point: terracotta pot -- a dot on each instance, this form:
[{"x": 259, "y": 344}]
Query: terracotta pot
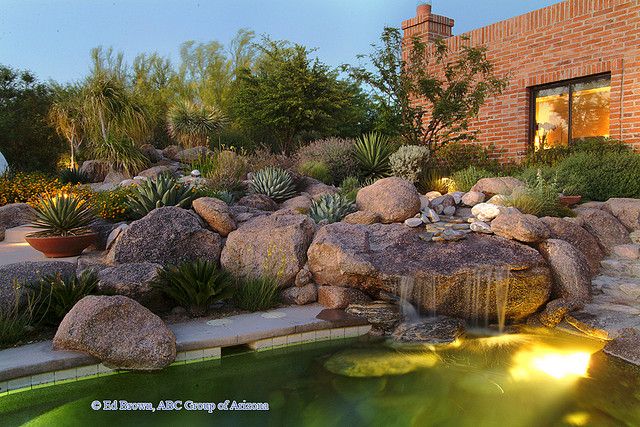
[
  {"x": 570, "y": 200},
  {"x": 62, "y": 247}
]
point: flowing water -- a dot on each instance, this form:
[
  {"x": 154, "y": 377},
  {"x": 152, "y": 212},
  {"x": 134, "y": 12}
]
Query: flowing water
[{"x": 534, "y": 378}]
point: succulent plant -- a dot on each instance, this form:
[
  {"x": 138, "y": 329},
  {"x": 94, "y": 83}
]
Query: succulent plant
[
  {"x": 164, "y": 190},
  {"x": 274, "y": 182},
  {"x": 72, "y": 176},
  {"x": 63, "y": 215},
  {"x": 331, "y": 207},
  {"x": 372, "y": 152}
]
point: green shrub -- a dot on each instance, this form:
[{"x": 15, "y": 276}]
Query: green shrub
[
  {"x": 337, "y": 154},
  {"x": 257, "y": 294},
  {"x": 164, "y": 190},
  {"x": 225, "y": 169},
  {"x": 330, "y": 207},
  {"x": 464, "y": 179},
  {"x": 17, "y": 320},
  {"x": 596, "y": 145},
  {"x": 434, "y": 180},
  {"x": 56, "y": 296},
  {"x": 194, "y": 285},
  {"x": 540, "y": 199},
  {"x": 372, "y": 151},
  {"x": 317, "y": 170},
  {"x": 349, "y": 188},
  {"x": 72, "y": 176},
  {"x": 63, "y": 215},
  {"x": 457, "y": 156},
  {"x": 121, "y": 154},
  {"x": 275, "y": 183},
  {"x": 409, "y": 162}
]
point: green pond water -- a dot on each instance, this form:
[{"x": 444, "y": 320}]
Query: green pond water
[{"x": 533, "y": 378}]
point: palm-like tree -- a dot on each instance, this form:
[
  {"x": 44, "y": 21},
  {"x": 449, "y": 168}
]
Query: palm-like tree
[
  {"x": 192, "y": 123},
  {"x": 65, "y": 115}
]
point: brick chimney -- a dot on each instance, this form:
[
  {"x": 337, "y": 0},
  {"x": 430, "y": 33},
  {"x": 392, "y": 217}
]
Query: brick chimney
[{"x": 428, "y": 26}]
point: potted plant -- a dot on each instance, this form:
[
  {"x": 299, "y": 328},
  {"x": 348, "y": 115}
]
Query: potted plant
[
  {"x": 570, "y": 196},
  {"x": 64, "y": 222}
]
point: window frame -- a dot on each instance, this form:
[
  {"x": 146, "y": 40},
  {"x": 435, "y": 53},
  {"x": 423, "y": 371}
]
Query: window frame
[{"x": 567, "y": 82}]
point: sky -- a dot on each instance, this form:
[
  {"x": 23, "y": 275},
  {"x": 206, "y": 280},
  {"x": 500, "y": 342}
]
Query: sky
[{"x": 52, "y": 38}]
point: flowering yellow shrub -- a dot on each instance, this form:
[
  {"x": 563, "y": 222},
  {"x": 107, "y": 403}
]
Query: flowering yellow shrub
[{"x": 23, "y": 188}]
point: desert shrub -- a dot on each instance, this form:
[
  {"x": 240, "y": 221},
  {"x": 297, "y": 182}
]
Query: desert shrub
[
  {"x": 457, "y": 156},
  {"x": 540, "y": 199},
  {"x": 435, "y": 180},
  {"x": 372, "y": 151},
  {"x": 335, "y": 153},
  {"x": 257, "y": 294},
  {"x": 72, "y": 176},
  {"x": 317, "y": 170},
  {"x": 275, "y": 183},
  {"x": 122, "y": 154},
  {"x": 349, "y": 188},
  {"x": 409, "y": 162},
  {"x": 194, "y": 285},
  {"x": 225, "y": 169},
  {"x": 596, "y": 145},
  {"x": 164, "y": 190},
  {"x": 330, "y": 207},
  {"x": 113, "y": 205},
  {"x": 56, "y": 295},
  {"x": 263, "y": 158},
  {"x": 18, "y": 318},
  {"x": 25, "y": 187},
  {"x": 464, "y": 179},
  {"x": 601, "y": 176}
]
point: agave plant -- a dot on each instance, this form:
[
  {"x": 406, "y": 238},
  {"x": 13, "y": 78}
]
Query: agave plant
[
  {"x": 164, "y": 190},
  {"x": 194, "y": 285},
  {"x": 372, "y": 151},
  {"x": 72, "y": 176},
  {"x": 63, "y": 215},
  {"x": 191, "y": 124},
  {"x": 331, "y": 207},
  {"x": 274, "y": 182}
]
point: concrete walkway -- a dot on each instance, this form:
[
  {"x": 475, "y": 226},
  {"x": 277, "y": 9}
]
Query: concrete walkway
[
  {"x": 14, "y": 248},
  {"x": 197, "y": 340}
]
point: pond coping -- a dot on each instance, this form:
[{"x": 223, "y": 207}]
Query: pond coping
[{"x": 36, "y": 365}]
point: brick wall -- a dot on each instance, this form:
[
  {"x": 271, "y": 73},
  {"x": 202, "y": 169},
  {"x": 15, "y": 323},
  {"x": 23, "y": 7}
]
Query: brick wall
[{"x": 574, "y": 38}]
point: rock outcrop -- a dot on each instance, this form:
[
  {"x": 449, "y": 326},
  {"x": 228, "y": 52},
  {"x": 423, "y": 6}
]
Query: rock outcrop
[
  {"x": 392, "y": 199},
  {"x": 134, "y": 281},
  {"x": 605, "y": 227},
  {"x": 16, "y": 214},
  {"x": 499, "y": 185},
  {"x": 216, "y": 213},
  {"x": 521, "y": 227},
  {"x": 626, "y": 210}
]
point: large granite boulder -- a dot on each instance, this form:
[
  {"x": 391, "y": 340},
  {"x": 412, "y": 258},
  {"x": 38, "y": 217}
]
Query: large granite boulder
[
  {"x": 467, "y": 279},
  {"x": 167, "y": 235},
  {"x": 340, "y": 297},
  {"x": 119, "y": 332},
  {"x": 216, "y": 213},
  {"x": 605, "y": 227},
  {"x": 134, "y": 281},
  {"x": 521, "y": 227},
  {"x": 580, "y": 238},
  {"x": 16, "y": 214},
  {"x": 498, "y": 185},
  {"x": 171, "y": 152},
  {"x": 95, "y": 170},
  {"x": 151, "y": 153},
  {"x": 20, "y": 273},
  {"x": 274, "y": 245},
  {"x": 626, "y": 210},
  {"x": 393, "y": 199},
  {"x": 155, "y": 171},
  {"x": 258, "y": 201}
]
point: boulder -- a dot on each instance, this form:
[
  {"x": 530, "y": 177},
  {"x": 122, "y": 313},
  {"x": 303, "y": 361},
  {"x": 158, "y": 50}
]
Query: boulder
[
  {"x": 134, "y": 281},
  {"x": 383, "y": 316},
  {"x": 216, "y": 213},
  {"x": 304, "y": 277},
  {"x": 171, "y": 152},
  {"x": 190, "y": 155},
  {"x": 242, "y": 214},
  {"x": 626, "y": 210},
  {"x": 167, "y": 235},
  {"x": 119, "y": 332},
  {"x": 393, "y": 199},
  {"x": 444, "y": 277},
  {"x": 274, "y": 245},
  {"x": 430, "y": 331},
  {"x": 16, "y": 214},
  {"x": 472, "y": 198},
  {"x": 115, "y": 177},
  {"x": 498, "y": 185},
  {"x": 580, "y": 238},
  {"x": 625, "y": 347},
  {"x": 302, "y": 295},
  {"x": 154, "y": 171},
  {"x": 299, "y": 204},
  {"x": 26, "y": 272},
  {"x": 95, "y": 170},
  {"x": 339, "y": 297},
  {"x": 362, "y": 217},
  {"x": 258, "y": 201},
  {"x": 628, "y": 251},
  {"x": 314, "y": 188},
  {"x": 104, "y": 230},
  {"x": 114, "y": 234},
  {"x": 485, "y": 211},
  {"x": 151, "y": 153},
  {"x": 481, "y": 227},
  {"x": 605, "y": 228},
  {"x": 571, "y": 274},
  {"x": 521, "y": 227}
]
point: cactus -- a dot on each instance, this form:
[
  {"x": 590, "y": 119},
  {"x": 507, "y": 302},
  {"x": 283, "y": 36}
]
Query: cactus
[
  {"x": 275, "y": 183},
  {"x": 331, "y": 207},
  {"x": 164, "y": 190}
]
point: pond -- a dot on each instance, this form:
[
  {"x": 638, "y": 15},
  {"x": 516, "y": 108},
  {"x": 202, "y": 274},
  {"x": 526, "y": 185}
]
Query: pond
[{"x": 532, "y": 378}]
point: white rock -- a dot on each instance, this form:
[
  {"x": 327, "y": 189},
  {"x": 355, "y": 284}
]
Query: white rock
[
  {"x": 433, "y": 194},
  {"x": 413, "y": 222},
  {"x": 481, "y": 227},
  {"x": 498, "y": 199},
  {"x": 424, "y": 203},
  {"x": 195, "y": 173},
  {"x": 485, "y": 211}
]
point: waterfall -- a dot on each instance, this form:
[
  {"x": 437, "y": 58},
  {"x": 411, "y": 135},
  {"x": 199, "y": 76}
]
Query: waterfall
[
  {"x": 485, "y": 287},
  {"x": 409, "y": 312}
]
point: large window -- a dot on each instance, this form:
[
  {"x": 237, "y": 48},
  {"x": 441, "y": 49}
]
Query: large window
[{"x": 570, "y": 110}]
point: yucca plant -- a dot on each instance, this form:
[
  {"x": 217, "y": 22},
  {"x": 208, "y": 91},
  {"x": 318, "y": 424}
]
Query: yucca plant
[
  {"x": 257, "y": 293},
  {"x": 63, "y": 215},
  {"x": 194, "y": 285},
  {"x": 372, "y": 151},
  {"x": 330, "y": 207},
  {"x": 191, "y": 124},
  {"x": 164, "y": 190},
  {"x": 72, "y": 176},
  {"x": 274, "y": 182},
  {"x": 56, "y": 295}
]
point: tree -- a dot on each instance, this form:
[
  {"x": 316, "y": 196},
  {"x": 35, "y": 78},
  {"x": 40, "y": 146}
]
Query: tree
[
  {"x": 65, "y": 116},
  {"x": 454, "y": 85},
  {"x": 26, "y": 139},
  {"x": 289, "y": 94}
]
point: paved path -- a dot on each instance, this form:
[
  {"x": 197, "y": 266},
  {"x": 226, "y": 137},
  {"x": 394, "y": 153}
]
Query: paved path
[{"x": 14, "y": 248}]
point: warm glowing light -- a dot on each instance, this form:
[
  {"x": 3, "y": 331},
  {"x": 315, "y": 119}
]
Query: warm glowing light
[
  {"x": 559, "y": 365},
  {"x": 577, "y": 419}
]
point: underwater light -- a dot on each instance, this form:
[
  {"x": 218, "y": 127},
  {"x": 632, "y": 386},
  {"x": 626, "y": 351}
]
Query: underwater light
[{"x": 558, "y": 365}]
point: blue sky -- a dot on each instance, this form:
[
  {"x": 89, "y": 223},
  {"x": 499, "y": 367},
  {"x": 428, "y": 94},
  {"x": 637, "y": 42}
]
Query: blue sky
[{"x": 53, "y": 37}]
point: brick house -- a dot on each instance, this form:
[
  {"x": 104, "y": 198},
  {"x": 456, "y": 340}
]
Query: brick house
[{"x": 574, "y": 72}]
